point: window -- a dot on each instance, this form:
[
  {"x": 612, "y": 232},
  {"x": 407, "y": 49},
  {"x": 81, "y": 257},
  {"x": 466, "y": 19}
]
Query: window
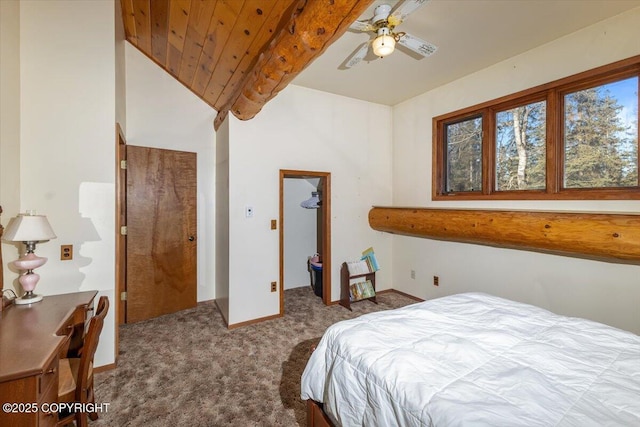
[
  {"x": 464, "y": 155},
  {"x": 601, "y": 136},
  {"x": 521, "y": 147},
  {"x": 576, "y": 138}
]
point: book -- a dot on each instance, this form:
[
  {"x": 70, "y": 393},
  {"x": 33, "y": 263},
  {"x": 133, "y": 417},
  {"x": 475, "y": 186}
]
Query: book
[
  {"x": 369, "y": 256},
  {"x": 358, "y": 267},
  {"x": 361, "y": 290}
]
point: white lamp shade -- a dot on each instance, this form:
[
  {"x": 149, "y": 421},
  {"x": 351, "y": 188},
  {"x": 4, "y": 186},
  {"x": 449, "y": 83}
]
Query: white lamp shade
[
  {"x": 28, "y": 228},
  {"x": 383, "y": 45}
]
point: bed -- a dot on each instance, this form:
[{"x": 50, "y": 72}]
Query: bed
[{"x": 474, "y": 359}]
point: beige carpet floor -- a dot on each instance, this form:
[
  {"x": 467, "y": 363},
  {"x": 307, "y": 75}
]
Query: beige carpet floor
[{"x": 188, "y": 369}]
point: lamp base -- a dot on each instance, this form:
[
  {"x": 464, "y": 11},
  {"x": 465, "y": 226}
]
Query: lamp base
[{"x": 28, "y": 299}]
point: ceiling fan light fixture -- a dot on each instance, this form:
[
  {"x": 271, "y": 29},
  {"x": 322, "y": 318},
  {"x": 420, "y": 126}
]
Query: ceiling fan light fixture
[
  {"x": 384, "y": 24},
  {"x": 384, "y": 44}
]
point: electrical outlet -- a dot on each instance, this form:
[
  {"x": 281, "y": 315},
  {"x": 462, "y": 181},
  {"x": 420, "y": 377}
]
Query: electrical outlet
[
  {"x": 274, "y": 224},
  {"x": 436, "y": 281},
  {"x": 274, "y": 286},
  {"x": 413, "y": 274},
  {"x": 66, "y": 252},
  {"x": 248, "y": 211}
]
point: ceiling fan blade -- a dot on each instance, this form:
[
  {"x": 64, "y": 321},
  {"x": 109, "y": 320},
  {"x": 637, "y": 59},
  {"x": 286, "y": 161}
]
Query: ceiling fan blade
[
  {"x": 359, "y": 55},
  {"x": 362, "y": 26},
  {"x": 403, "y": 10},
  {"x": 417, "y": 45}
]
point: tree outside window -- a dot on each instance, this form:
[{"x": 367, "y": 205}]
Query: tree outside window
[
  {"x": 464, "y": 155},
  {"x": 600, "y": 146},
  {"x": 521, "y": 147}
]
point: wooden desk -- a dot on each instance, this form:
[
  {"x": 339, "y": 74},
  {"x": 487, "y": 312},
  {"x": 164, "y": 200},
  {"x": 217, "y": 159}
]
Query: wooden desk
[{"x": 31, "y": 338}]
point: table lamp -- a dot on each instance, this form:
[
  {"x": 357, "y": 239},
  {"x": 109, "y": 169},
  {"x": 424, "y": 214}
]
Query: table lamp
[{"x": 29, "y": 229}]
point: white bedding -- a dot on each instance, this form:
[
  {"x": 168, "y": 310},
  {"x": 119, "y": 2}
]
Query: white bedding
[{"x": 475, "y": 360}]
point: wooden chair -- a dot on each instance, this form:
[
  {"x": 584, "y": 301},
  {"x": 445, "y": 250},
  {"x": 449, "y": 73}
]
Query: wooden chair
[{"x": 76, "y": 374}]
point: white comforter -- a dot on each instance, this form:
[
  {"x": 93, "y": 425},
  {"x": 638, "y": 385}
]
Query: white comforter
[{"x": 475, "y": 360}]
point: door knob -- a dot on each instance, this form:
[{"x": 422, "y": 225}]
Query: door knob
[{"x": 191, "y": 238}]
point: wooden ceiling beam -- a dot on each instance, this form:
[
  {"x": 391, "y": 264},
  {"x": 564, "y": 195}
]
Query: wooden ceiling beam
[
  {"x": 611, "y": 237},
  {"x": 312, "y": 27}
]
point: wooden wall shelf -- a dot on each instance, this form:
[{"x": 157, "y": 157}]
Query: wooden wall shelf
[{"x": 606, "y": 237}]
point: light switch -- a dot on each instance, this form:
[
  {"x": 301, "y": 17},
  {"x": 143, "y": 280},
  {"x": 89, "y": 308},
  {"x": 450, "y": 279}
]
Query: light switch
[{"x": 248, "y": 211}]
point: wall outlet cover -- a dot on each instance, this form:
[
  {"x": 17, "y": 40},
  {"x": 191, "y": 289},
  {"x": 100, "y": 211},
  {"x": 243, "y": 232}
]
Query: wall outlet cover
[{"x": 66, "y": 252}]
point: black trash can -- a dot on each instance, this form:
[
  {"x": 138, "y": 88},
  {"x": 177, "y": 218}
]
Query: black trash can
[{"x": 316, "y": 277}]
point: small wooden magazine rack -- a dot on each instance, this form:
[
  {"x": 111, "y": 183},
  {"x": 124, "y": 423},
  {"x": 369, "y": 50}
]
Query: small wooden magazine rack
[{"x": 345, "y": 285}]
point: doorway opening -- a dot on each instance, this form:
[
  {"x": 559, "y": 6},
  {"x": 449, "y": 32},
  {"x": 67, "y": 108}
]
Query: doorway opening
[{"x": 296, "y": 187}]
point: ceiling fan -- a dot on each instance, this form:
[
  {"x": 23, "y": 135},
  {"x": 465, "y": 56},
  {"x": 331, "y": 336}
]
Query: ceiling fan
[{"x": 382, "y": 24}]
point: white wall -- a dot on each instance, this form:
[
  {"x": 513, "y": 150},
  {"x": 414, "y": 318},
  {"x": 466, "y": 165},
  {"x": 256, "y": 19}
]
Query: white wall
[
  {"x": 605, "y": 292},
  {"x": 9, "y": 124},
  {"x": 161, "y": 113},
  {"x": 67, "y": 118},
  {"x": 304, "y": 129},
  {"x": 300, "y": 232}
]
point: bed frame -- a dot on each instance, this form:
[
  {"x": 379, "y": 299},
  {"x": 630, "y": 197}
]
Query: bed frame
[{"x": 316, "y": 416}]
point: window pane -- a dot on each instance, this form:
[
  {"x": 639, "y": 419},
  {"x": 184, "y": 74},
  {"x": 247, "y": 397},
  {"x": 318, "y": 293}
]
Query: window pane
[
  {"x": 464, "y": 155},
  {"x": 521, "y": 148},
  {"x": 601, "y": 136}
]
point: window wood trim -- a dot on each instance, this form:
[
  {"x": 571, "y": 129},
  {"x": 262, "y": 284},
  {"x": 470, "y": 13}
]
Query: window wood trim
[{"x": 553, "y": 94}]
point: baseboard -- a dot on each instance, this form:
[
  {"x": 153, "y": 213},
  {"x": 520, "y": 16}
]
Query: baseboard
[
  {"x": 275, "y": 316},
  {"x": 404, "y": 294},
  {"x": 388, "y": 291},
  {"x": 251, "y": 322},
  {"x": 104, "y": 368}
]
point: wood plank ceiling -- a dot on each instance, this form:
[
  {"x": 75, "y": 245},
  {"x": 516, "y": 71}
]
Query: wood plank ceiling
[{"x": 236, "y": 55}]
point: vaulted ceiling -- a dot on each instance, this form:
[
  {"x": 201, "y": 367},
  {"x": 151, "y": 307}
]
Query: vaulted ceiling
[{"x": 236, "y": 54}]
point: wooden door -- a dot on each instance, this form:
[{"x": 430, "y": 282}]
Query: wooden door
[{"x": 161, "y": 232}]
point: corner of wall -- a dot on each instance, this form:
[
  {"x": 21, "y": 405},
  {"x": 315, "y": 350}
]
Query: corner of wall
[
  {"x": 222, "y": 219},
  {"x": 121, "y": 66}
]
